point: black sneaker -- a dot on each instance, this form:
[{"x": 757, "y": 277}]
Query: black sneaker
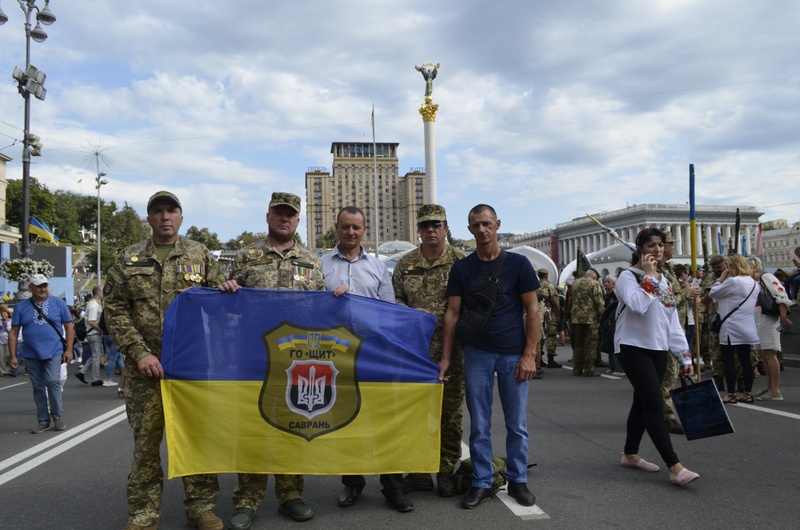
[
  {"x": 81, "y": 378},
  {"x": 99, "y": 382},
  {"x": 519, "y": 491}
]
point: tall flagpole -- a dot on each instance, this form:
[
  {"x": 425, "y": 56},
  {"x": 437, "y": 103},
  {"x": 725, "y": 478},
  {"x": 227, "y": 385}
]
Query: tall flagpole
[
  {"x": 376, "y": 219},
  {"x": 693, "y": 244}
]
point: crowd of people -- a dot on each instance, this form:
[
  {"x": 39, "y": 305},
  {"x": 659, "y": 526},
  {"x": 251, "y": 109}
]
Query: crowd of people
[{"x": 474, "y": 347}]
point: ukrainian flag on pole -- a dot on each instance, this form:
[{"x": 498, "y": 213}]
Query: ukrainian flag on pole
[
  {"x": 303, "y": 382},
  {"x": 41, "y": 229}
]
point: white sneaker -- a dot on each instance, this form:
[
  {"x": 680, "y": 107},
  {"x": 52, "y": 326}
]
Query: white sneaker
[
  {"x": 110, "y": 383},
  {"x": 769, "y": 396}
]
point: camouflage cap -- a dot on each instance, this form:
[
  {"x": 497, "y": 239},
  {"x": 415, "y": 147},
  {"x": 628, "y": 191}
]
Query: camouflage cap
[
  {"x": 431, "y": 212},
  {"x": 542, "y": 272},
  {"x": 284, "y": 198},
  {"x": 669, "y": 238},
  {"x": 163, "y": 195},
  {"x": 716, "y": 259}
]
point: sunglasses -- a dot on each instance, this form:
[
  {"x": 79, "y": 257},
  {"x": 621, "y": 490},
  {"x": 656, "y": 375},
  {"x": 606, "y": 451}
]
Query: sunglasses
[{"x": 424, "y": 225}]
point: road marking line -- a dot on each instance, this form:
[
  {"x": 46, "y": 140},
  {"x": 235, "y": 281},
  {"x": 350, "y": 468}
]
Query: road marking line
[
  {"x": 52, "y": 453},
  {"x": 523, "y": 512},
  {"x": 769, "y": 411},
  {"x": 65, "y": 435},
  {"x": 12, "y": 386}
]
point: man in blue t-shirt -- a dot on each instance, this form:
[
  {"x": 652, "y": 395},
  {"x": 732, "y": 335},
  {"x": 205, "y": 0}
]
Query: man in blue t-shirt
[
  {"x": 507, "y": 348},
  {"x": 43, "y": 320}
]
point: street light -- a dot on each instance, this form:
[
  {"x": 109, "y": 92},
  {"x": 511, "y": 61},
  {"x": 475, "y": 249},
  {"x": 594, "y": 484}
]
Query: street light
[
  {"x": 100, "y": 182},
  {"x": 30, "y": 81}
]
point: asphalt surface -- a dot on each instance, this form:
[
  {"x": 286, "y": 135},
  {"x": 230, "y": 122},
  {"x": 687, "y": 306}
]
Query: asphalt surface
[{"x": 76, "y": 479}]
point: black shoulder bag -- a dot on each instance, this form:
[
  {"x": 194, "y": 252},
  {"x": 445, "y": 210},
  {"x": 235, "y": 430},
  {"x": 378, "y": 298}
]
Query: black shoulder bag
[
  {"x": 716, "y": 323},
  {"x": 52, "y": 324},
  {"x": 475, "y": 315}
]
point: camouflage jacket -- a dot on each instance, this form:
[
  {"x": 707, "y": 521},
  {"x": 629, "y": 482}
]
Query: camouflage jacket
[
  {"x": 260, "y": 265},
  {"x": 678, "y": 290},
  {"x": 419, "y": 284},
  {"x": 548, "y": 295},
  {"x": 588, "y": 301},
  {"x": 708, "y": 310},
  {"x": 139, "y": 289}
]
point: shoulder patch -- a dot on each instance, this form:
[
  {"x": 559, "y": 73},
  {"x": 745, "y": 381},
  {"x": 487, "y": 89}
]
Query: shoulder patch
[{"x": 108, "y": 288}]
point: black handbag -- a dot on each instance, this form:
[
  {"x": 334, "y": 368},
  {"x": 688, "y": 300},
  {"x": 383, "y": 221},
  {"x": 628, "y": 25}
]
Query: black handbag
[
  {"x": 476, "y": 314},
  {"x": 700, "y": 409},
  {"x": 769, "y": 306}
]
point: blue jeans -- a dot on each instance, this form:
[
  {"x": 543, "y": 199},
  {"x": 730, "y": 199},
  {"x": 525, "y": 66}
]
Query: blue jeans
[
  {"x": 114, "y": 357},
  {"x": 46, "y": 380},
  {"x": 479, "y": 369}
]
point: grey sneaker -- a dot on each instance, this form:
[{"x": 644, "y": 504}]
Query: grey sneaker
[
  {"x": 59, "y": 423},
  {"x": 40, "y": 428},
  {"x": 769, "y": 396}
]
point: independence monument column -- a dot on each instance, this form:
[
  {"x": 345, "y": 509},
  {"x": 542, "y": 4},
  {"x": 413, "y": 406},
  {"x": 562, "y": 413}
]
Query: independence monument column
[{"x": 428, "y": 111}]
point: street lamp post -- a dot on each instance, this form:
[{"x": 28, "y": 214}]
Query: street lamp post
[
  {"x": 30, "y": 81},
  {"x": 100, "y": 182}
]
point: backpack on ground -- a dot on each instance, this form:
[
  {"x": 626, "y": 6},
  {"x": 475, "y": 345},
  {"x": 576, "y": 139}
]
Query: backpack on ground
[
  {"x": 80, "y": 329},
  {"x": 464, "y": 474}
]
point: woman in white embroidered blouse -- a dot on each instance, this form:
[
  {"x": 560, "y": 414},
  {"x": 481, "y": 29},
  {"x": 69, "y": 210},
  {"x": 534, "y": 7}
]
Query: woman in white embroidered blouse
[
  {"x": 647, "y": 330},
  {"x": 767, "y": 326},
  {"x": 735, "y": 293}
]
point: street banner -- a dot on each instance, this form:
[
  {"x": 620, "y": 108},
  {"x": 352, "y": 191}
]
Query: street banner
[{"x": 298, "y": 382}]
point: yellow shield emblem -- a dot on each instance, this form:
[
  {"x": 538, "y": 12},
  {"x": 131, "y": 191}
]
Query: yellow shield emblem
[{"x": 311, "y": 385}]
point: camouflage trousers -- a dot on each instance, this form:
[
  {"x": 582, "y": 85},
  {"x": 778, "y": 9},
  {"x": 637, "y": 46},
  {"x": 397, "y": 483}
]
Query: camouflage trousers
[
  {"x": 452, "y": 416},
  {"x": 667, "y": 384},
  {"x": 550, "y": 334},
  {"x": 584, "y": 348},
  {"x": 252, "y": 487},
  {"x": 146, "y": 479}
]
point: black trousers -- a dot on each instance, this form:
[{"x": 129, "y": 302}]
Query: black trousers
[{"x": 645, "y": 370}]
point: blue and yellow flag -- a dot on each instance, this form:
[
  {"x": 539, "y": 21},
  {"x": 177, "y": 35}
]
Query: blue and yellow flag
[
  {"x": 41, "y": 229},
  {"x": 262, "y": 381}
]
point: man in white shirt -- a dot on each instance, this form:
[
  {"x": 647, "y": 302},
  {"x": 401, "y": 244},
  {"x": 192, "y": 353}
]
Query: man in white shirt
[
  {"x": 349, "y": 269},
  {"x": 94, "y": 336}
]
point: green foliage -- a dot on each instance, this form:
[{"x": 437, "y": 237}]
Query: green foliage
[
  {"x": 244, "y": 239},
  {"x": 329, "y": 239},
  {"x": 42, "y": 205},
  {"x": 204, "y": 236}
]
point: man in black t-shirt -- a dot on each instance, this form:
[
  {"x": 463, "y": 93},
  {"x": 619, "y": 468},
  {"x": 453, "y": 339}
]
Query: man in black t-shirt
[{"x": 507, "y": 348}]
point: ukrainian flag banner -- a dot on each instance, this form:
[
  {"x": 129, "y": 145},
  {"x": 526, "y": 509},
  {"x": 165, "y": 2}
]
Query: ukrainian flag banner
[
  {"x": 41, "y": 229},
  {"x": 287, "y": 382}
]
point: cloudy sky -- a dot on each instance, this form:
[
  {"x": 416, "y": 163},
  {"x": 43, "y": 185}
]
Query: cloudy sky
[{"x": 547, "y": 110}]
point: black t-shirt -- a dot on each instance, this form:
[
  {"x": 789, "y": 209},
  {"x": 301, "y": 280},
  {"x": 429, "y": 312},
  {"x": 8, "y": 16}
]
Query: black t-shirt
[{"x": 506, "y": 331}]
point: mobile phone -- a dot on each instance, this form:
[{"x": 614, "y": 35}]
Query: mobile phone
[{"x": 696, "y": 282}]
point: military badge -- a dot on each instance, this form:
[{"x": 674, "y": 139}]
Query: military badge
[{"x": 311, "y": 386}]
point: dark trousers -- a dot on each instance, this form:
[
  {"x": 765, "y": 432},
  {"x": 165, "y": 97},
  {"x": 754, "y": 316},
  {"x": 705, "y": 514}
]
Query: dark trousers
[
  {"x": 645, "y": 370},
  {"x": 742, "y": 351},
  {"x": 390, "y": 482}
]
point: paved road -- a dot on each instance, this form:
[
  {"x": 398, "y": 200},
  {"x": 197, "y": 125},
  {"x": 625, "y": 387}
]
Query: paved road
[{"x": 76, "y": 479}]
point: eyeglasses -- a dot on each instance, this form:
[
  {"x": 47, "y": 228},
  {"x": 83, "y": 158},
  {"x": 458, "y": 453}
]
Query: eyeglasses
[{"x": 424, "y": 225}]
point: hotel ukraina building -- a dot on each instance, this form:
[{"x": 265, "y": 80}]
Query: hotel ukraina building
[{"x": 351, "y": 182}]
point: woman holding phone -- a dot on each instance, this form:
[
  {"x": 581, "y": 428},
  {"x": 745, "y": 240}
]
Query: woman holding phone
[{"x": 647, "y": 331}]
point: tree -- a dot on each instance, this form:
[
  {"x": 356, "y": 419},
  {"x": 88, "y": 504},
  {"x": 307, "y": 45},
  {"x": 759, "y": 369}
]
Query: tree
[
  {"x": 244, "y": 239},
  {"x": 124, "y": 228},
  {"x": 42, "y": 206},
  {"x": 204, "y": 236},
  {"x": 329, "y": 239}
]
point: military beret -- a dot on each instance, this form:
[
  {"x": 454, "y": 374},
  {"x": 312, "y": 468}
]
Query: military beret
[
  {"x": 165, "y": 196},
  {"x": 289, "y": 199},
  {"x": 716, "y": 259},
  {"x": 431, "y": 212}
]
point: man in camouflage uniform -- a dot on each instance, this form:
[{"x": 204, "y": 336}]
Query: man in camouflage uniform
[
  {"x": 548, "y": 294},
  {"x": 349, "y": 269},
  {"x": 709, "y": 339},
  {"x": 277, "y": 262},
  {"x": 584, "y": 309},
  {"x": 140, "y": 286},
  {"x": 681, "y": 295},
  {"x": 420, "y": 280}
]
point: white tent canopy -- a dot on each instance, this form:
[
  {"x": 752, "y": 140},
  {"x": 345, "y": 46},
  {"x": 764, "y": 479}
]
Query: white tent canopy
[{"x": 538, "y": 259}]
